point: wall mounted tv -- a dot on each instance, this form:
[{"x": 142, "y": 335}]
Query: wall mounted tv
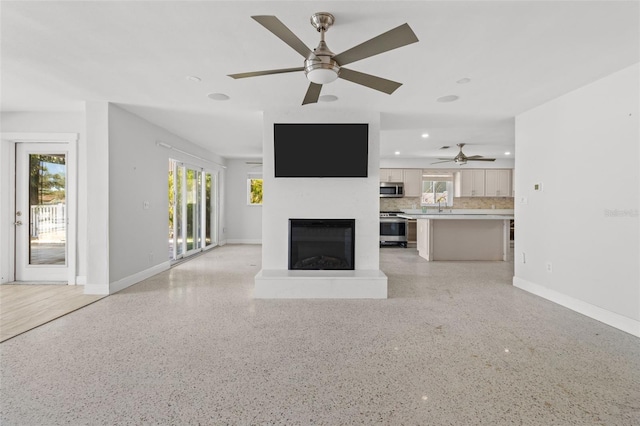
[{"x": 321, "y": 150}]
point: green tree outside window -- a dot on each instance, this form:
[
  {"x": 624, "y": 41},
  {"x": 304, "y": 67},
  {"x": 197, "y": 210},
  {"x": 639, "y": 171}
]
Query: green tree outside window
[{"x": 255, "y": 191}]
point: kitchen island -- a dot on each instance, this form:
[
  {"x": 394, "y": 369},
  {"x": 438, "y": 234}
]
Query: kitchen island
[{"x": 467, "y": 235}]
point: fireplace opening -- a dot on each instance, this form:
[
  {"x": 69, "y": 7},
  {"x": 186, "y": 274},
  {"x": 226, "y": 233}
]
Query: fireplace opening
[{"x": 318, "y": 244}]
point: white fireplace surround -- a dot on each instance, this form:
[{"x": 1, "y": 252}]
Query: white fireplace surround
[
  {"x": 328, "y": 198},
  {"x": 358, "y": 284}
]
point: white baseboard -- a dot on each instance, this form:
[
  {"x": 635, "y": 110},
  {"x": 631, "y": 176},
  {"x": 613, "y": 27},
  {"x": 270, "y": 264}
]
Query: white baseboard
[
  {"x": 96, "y": 289},
  {"x": 242, "y": 241},
  {"x": 116, "y": 286},
  {"x": 81, "y": 280},
  {"x": 628, "y": 325}
]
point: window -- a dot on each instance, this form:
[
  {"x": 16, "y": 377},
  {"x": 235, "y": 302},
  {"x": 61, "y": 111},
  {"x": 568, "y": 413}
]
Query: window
[
  {"x": 254, "y": 190},
  {"x": 437, "y": 189}
]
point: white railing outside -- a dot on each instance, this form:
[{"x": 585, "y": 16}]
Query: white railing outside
[{"x": 48, "y": 221}]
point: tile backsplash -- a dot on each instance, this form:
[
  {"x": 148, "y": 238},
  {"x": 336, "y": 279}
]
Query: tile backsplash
[
  {"x": 483, "y": 203},
  {"x": 405, "y": 203}
]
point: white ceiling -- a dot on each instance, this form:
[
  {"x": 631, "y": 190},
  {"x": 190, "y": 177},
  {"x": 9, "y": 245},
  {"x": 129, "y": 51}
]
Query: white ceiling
[{"x": 138, "y": 54}]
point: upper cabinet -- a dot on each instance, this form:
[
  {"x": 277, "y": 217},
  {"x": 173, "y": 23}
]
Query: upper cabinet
[
  {"x": 468, "y": 182},
  {"x": 498, "y": 183},
  {"x": 391, "y": 175},
  {"x": 472, "y": 183},
  {"x": 412, "y": 182}
]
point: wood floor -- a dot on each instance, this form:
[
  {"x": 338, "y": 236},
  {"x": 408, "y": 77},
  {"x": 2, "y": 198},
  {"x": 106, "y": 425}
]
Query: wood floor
[{"x": 26, "y": 306}]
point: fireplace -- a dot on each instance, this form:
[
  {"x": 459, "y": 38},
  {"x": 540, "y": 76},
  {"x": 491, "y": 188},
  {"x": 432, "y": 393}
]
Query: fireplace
[{"x": 319, "y": 244}]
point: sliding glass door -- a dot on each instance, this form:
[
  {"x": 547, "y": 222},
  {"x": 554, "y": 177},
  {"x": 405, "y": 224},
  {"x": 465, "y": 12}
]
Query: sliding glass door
[{"x": 192, "y": 209}]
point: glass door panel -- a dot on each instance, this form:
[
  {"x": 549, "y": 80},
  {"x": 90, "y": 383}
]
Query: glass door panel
[
  {"x": 198, "y": 211},
  {"x": 47, "y": 209},
  {"x": 191, "y": 203},
  {"x": 208, "y": 189},
  {"x": 179, "y": 213}
]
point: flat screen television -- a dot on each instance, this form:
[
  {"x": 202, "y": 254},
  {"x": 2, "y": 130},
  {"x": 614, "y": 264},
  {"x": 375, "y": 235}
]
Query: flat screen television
[{"x": 321, "y": 150}]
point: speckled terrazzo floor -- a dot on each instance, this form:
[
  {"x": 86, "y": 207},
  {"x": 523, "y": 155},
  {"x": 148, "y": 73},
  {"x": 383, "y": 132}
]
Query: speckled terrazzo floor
[{"x": 455, "y": 344}]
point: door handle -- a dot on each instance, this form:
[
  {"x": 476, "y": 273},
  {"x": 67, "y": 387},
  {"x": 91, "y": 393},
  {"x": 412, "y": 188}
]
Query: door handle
[{"x": 17, "y": 223}]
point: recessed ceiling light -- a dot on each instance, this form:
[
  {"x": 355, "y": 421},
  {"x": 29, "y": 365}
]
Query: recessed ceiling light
[
  {"x": 507, "y": 153},
  {"x": 463, "y": 81},
  {"x": 328, "y": 98},
  {"x": 425, "y": 135},
  {"x": 218, "y": 96},
  {"x": 397, "y": 152},
  {"x": 448, "y": 98},
  {"x": 194, "y": 78}
]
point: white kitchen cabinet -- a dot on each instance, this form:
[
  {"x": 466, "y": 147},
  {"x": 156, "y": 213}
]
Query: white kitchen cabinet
[
  {"x": 391, "y": 175},
  {"x": 472, "y": 183},
  {"x": 412, "y": 182},
  {"x": 498, "y": 183}
]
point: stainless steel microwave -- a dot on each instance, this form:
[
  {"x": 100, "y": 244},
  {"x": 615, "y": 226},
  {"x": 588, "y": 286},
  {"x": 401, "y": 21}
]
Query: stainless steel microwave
[{"x": 391, "y": 189}]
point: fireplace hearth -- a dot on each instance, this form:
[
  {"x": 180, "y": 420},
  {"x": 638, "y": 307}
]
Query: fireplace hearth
[{"x": 321, "y": 244}]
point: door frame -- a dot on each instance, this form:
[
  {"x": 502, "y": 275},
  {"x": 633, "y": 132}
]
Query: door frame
[{"x": 8, "y": 188}]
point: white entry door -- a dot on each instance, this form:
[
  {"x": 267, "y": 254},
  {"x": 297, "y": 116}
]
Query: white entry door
[{"x": 42, "y": 212}]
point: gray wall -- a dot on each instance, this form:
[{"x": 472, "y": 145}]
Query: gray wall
[
  {"x": 138, "y": 237},
  {"x": 583, "y": 148},
  {"x": 244, "y": 222}
]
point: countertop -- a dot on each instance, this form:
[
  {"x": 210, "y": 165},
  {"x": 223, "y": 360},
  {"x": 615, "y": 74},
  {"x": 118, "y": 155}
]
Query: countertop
[{"x": 470, "y": 214}]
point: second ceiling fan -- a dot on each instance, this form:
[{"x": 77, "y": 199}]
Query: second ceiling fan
[
  {"x": 462, "y": 159},
  {"x": 322, "y": 66}
]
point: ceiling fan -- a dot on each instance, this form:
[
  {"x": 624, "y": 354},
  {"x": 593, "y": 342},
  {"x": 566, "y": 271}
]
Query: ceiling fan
[
  {"x": 322, "y": 66},
  {"x": 462, "y": 159}
]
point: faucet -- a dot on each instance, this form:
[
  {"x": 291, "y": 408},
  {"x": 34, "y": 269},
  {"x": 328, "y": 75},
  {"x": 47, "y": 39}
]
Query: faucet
[{"x": 439, "y": 208}]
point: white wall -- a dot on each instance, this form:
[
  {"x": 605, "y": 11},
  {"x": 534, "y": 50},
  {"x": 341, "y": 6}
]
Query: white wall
[
  {"x": 244, "y": 222},
  {"x": 138, "y": 237},
  {"x": 43, "y": 122},
  {"x": 96, "y": 208},
  {"x": 320, "y": 198},
  {"x": 584, "y": 149}
]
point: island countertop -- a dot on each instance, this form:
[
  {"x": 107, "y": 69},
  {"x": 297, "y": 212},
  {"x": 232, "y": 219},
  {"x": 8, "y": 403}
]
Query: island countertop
[
  {"x": 451, "y": 216},
  {"x": 472, "y": 214}
]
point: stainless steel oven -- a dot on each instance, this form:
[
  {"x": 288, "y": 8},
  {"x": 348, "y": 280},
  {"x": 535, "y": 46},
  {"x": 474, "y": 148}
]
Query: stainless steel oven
[
  {"x": 393, "y": 229},
  {"x": 391, "y": 189}
]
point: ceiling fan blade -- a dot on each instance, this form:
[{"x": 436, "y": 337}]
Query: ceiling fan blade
[
  {"x": 268, "y": 72},
  {"x": 281, "y": 31},
  {"x": 480, "y": 159},
  {"x": 368, "y": 80},
  {"x": 445, "y": 161},
  {"x": 392, "y": 39},
  {"x": 313, "y": 93}
]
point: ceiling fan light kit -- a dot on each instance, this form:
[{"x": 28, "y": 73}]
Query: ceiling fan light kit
[{"x": 322, "y": 66}]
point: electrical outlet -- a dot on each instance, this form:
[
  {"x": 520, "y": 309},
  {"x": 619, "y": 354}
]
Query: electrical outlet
[
  {"x": 537, "y": 187},
  {"x": 145, "y": 205},
  {"x": 151, "y": 257},
  {"x": 524, "y": 200},
  {"x": 549, "y": 267}
]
